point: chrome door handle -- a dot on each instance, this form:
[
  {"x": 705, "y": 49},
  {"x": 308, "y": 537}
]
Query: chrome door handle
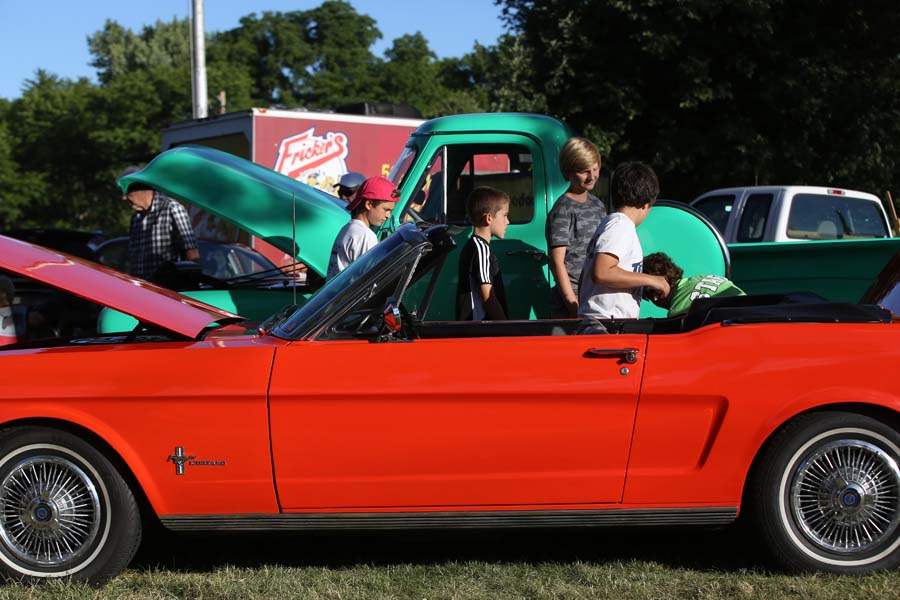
[{"x": 628, "y": 355}]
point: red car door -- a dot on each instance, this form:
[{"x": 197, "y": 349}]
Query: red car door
[{"x": 486, "y": 422}]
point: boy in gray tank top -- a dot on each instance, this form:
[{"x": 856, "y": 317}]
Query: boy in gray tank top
[{"x": 572, "y": 222}]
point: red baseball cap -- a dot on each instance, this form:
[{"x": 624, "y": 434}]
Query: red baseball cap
[{"x": 378, "y": 189}]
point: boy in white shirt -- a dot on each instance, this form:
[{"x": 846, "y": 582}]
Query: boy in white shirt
[
  {"x": 372, "y": 206},
  {"x": 611, "y": 280}
]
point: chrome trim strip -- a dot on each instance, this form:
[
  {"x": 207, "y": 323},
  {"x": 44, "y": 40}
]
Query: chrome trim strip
[{"x": 718, "y": 515}]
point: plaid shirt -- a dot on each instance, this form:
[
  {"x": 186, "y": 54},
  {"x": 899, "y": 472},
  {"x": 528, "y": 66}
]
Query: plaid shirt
[{"x": 161, "y": 234}]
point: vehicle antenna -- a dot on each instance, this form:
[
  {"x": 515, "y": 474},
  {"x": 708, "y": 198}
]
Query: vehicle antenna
[{"x": 293, "y": 248}]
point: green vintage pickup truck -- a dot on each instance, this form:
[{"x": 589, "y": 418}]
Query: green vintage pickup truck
[{"x": 442, "y": 161}]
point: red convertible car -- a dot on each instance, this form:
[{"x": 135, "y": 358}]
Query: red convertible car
[{"x": 352, "y": 412}]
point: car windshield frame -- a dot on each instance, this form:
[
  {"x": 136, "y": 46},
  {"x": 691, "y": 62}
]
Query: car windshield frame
[{"x": 328, "y": 300}]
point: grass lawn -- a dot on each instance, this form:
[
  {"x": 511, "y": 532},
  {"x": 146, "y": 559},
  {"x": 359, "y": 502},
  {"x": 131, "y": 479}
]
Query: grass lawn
[{"x": 467, "y": 565}]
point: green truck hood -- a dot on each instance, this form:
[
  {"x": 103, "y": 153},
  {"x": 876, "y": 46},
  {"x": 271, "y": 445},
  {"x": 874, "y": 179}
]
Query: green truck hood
[{"x": 254, "y": 198}]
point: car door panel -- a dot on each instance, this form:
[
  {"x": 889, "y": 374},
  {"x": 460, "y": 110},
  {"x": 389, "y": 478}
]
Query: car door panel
[{"x": 452, "y": 422}]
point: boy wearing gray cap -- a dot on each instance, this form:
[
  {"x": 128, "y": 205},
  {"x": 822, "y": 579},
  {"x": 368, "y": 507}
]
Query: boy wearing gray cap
[{"x": 348, "y": 185}]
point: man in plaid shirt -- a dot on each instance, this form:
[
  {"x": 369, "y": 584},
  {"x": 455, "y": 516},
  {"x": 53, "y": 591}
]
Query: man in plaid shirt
[{"x": 160, "y": 232}]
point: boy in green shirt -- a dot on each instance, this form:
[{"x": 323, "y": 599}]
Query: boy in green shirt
[{"x": 684, "y": 290}]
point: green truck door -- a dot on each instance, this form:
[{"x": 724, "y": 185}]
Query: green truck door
[{"x": 455, "y": 164}]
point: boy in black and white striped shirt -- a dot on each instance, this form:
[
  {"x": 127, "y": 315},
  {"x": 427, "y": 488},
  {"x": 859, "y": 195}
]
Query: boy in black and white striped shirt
[{"x": 480, "y": 294}]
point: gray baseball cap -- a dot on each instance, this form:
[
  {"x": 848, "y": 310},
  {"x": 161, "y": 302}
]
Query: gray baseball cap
[{"x": 351, "y": 180}]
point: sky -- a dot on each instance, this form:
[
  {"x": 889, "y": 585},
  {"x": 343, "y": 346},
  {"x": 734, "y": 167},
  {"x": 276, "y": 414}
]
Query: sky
[{"x": 53, "y": 35}]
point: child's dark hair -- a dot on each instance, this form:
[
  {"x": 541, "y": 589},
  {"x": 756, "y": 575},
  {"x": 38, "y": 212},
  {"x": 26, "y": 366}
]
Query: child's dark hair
[
  {"x": 484, "y": 201},
  {"x": 660, "y": 264},
  {"x": 633, "y": 184}
]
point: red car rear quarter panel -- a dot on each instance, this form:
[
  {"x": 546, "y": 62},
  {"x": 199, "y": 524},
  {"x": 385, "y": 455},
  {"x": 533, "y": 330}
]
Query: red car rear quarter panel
[
  {"x": 711, "y": 397},
  {"x": 147, "y": 399}
]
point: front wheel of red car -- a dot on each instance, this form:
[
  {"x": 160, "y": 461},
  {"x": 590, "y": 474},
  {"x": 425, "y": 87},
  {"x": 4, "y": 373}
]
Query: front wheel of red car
[
  {"x": 65, "y": 510},
  {"x": 826, "y": 494}
]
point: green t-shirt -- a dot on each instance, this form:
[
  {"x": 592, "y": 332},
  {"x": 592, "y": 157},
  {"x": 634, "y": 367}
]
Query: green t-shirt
[{"x": 700, "y": 286}]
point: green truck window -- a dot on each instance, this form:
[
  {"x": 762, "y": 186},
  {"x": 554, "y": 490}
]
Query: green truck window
[
  {"x": 427, "y": 199},
  {"x": 507, "y": 167},
  {"x": 399, "y": 171}
]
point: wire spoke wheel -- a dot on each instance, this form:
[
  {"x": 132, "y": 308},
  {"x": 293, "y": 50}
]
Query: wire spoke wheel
[
  {"x": 845, "y": 497},
  {"x": 50, "y": 512}
]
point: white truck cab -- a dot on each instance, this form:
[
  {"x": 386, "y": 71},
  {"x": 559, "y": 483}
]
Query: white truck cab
[{"x": 793, "y": 213}]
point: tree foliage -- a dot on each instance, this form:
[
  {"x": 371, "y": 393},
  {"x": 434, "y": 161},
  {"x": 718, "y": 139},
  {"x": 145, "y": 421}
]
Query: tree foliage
[
  {"x": 723, "y": 92},
  {"x": 63, "y": 142},
  {"x": 59, "y": 158},
  {"x": 343, "y": 70},
  {"x": 270, "y": 50},
  {"x": 710, "y": 92},
  {"x": 17, "y": 190}
]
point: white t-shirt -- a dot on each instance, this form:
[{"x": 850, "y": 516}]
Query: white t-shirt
[
  {"x": 352, "y": 241},
  {"x": 7, "y": 326},
  {"x": 615, "y": 235}
]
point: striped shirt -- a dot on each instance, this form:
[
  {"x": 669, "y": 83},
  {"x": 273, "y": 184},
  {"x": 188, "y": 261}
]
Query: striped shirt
[
  {"x": 158, "y": 235},
  {"x": 477, "y": 266}
]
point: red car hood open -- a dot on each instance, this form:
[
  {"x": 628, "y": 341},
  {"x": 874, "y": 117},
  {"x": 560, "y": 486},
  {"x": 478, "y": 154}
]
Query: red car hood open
[{"x": 142, "y": 300}]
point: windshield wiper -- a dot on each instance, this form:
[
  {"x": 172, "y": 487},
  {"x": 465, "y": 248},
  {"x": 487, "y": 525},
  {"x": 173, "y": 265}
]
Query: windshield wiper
[
  {"x": 269, "y": 324},
  {"x": 275, "y": 273}
]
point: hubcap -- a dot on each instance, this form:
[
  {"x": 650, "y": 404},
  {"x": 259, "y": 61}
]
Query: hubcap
[
  {"x": 844, "y": 497},
  {"x": 49, "y": 512}
]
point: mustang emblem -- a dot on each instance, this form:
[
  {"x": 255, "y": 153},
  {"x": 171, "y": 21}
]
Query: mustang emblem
[{"x": 179, "y": 458}]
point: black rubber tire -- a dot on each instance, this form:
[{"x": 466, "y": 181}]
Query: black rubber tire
[
  {"x": 118, "y": 520},
  {"x": 769, "y": 494}
]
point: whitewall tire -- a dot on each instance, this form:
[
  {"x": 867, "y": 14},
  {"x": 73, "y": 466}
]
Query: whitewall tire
[
  {"x": 65, "y": 510},
  {"x": 826, "y": 495}
]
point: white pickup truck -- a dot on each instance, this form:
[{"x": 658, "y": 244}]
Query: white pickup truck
[{"x": 793, "y": 213}]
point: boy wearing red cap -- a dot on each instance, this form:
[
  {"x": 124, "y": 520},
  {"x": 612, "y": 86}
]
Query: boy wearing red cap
[{"x": 372, "y": 206}]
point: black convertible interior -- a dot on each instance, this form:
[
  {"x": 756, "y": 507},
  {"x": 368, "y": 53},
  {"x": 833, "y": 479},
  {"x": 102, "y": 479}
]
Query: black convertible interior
[{"x": 787, "y": 308}]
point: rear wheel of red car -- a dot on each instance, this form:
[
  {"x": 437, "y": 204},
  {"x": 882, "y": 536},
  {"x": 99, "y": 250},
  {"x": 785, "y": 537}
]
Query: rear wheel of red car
[
  {"x": 826, "y": 494},
  {"x": 65, "y": 510}
]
